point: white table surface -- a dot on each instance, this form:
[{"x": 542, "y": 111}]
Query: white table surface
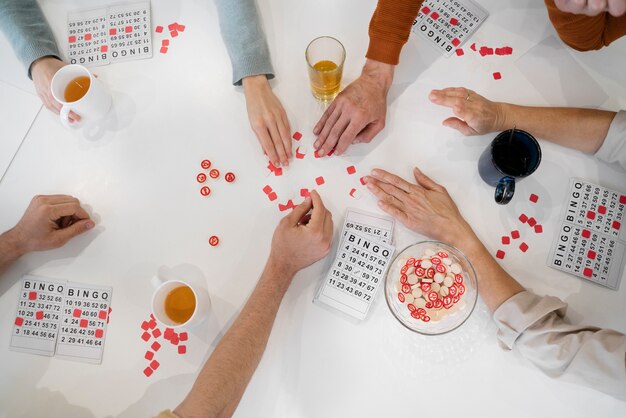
[{"x": 138, "y": 178}]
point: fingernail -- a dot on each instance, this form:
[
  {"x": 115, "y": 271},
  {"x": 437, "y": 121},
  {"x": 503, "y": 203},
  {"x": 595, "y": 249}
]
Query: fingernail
[
  {"x": 374, "y": 172},
  {"x": 321, "y": 152},
  {"x": 276, "y": 163},
  {"x": 89, "y": 225}
]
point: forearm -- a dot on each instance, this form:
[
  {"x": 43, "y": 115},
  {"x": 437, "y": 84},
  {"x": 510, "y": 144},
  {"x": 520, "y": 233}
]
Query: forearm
[
  {"x": 223, "y": 379},
  {"x": 581, "y": 129},
  {"x": 379, "y": 73},
  {"x": 10, "y": 249}
]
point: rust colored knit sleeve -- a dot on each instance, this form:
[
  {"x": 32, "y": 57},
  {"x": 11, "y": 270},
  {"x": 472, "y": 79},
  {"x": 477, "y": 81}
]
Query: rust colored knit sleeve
[
  {"x": 390, "y": 28},
  {"x": 586, "y": 33}
]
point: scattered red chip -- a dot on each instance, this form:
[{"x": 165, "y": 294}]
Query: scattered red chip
[
  {"x": 183, "y": 336},
  {"x": 351, "y": 169},
  {"x": 523, "y": 247},
  {"x": 591, "y": 254},
  {"x": 149, "y": 355},
  {"x": 214, "y": 240},
  {"x": 205, "y": 191},
  {"x": 305, "y": 192},
  {"x": 533, "y": 198},
  {"x": 77, "y": 313},
  {"x": 163, "y": 50},
  {"x": 172, "y": 26},
  {"x": 214, "y": 173},
  {"x": 165, "y": 42},
  {"x": 156, "y": 346},
  {"x": 456, "y": 42},
  {"x": 147, "y": 371},
  {"x": 201, "y": 178},
  {"x": 39, "y": 315},
  {"x": 602, "y": 210},
  {"x": 104, "y": 48},
  {"x": 459, "y": 52},
  {"x": 267, "y": 189},
  {"x": 586, "y": 233},
  {"x": 158, "y": 29},
  {"x": 205, "y": 164},
  {"x": 229, "y": 177},
  {"x": 128, "y": 29},
  {"x": 102, "y": 314},
  {"x": 352, "y": 192},
  {"x": 112, "y": 31},
  {"x": 497, "y": 75},
  {"x": 19, "y": 321},
  {"x": 278, "y": 171},
  {"x": 84, "y": 323},
  {"x": 454, "y": 21},
  {"x": 154, "y": 364},
  {"x": 72, "y": 39},
  {"x": 299, "y": 155},
  {"x": 88, "y": 36},
  {"x": 532, "y": 222},
  {"x": 434, "y": 15},
  {"x": 485, "y": 50},
  {"x": 152, "y": 324},
  {"x": 144, "y": 325},
  {"x": 319, "y": 180},
  {"x": 616, "y": 225},
  {"x": 362, "y": 180},
  {"x": 32, "y": 295},
  {"x": 145, "y": 336},
  {"x": 297, "y": 136},
  {"x": 99, "y": 333},
  {"x": 272, "y": 196},
  {"x": 473, "y": 47},
  {"x": 523, "y": 218},
  {"x": 182, "y": 349},
  {"x": 515, "y": 234},
  {"x": 587, "y": 272},
  {"x": 174, "y": 340},
  {"x": 173, "y": 33},
  {"x": 538, "y": 229},
  {"x": 156, "y": 333},
  {"x": 168, "y": 333},
  {"x": 500, "y": 254},
  {"x": 506, "y": 240}
]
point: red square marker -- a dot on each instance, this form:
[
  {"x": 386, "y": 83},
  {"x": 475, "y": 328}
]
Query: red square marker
[
  {"x": 181, "y": 28},
  {"x": 267, "y": 189},
  {"x": 156, "y": 333},
  {"x": 88, "y": 36},
  {"x": 587, "y": 272},
  {"x": 533, "y": 198},
  {"x": 523, "y": 218},
  {"x": 532, "y": 222},
  {"x": 155, "y": 346},
  {"x": 523, "y": 247},
  {"x": 165, "y": 42},
  {"x": 616, "y": 225},
  {"x": 77, "y": 313},
  {"x": 500, "y": 51},
  {"x": 182, "y": 349},
  {"x": 591, "y": 255},
  {"x": 39, "y": 315},
  {"x": 538, "y": 229},
  {"x": 183, "y": 336},
  {"x": 128, "y": 29},
  {"x": 602, "y": 210},
  {"x": 168, "y": 333},
  {"x": 173, "y": 33},
  {"x": 299, "y": 155},
  {"x": 362, "y": 180},
  {"x": 175, "y": 339},
  {"x": 145, "y": 336},
  {"x": 456, "y": 42},
  {"x": 317, "y": 154},
  {"x": 84, "y": 323},
  {"x": 272, "y": 196},
  {"x": 152, "y": 324},
  {"x": 622, "y": 199},
  {"x": 500, "y": 254},
  {"x": 515, "y": 234},
  {"x": 454, "y": 21},
  {"x": 319, "y": 180},
  {"x": 506, "y": 240},
  {"x": 297, "y": 136},
  {"x": 32, "y": 295},
  {"x": 473, "y": 47},
  {"x": 99, "y": 333},
  {"x": 459, "y": 52},
  {"x": 434, "y": 15},
  {"x": 104, "y": 48},
  {"x": 278, "y": 171},
  {"x": 147, "y": 371},
  {"x": 351, "y": 169},
  {"x": 304, "y": 192},
  {"x": 102, "y": 314},
  {"x": 586, "y": 233},
  {"x": 149, "y": 355},
  {"x": 172, "y": 26},
  {"x": 163, "y": 50},
  {"x": 154, "y": 364},
  {"x": 19, "y": 321},
  {"x": 426, "y": 10},
  {"x": 591, "y": 215},
  {"x": 485, "y": 50},
  {"x": 145, "y": 326},
  {"x": 112, "y": 31},
  {"x": 72, "y": 39},
  {"x": 158, "y": 29},
  {"x": 497, "y": 76}
]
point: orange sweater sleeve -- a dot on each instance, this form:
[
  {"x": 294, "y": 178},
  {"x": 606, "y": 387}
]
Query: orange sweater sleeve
[
  {"x": 585, "y": 33},
  {"x": 390, "y": 28}
]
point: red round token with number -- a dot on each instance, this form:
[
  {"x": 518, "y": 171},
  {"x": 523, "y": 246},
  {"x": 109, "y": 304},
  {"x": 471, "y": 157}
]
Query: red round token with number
[
  {"x": 214, "y": 240},
  {"x": 425, "y": 287},
  {"x": 411, "y": 307},
  {"x": 456, "y": 299},
  {"x": 440, "y": 268},
  {"x": 404, "y": 279},
  {"x": 461, "y": 289},
  {"x": 215, "y": 173},
  {"x": 452, "y": 290},
  {"x": 442, "y": 254},
  {"x": 429, "y": 305},
  {"x": 433, "y": 296},
  {"x": 415, "y": 315},
  {"x": 458, "y": 278},
  {"x": 409, "y": 262},
  {"x": 401, "y": 297},
  {"x": 435, "y": 260},
  {"x": 420, "y": 272},
  {"x": 430, "y": 273},
  {"x": 426, "y": 318},
  {"x": 417, "y": 263},
  {"x": 404, "y": 269},
  {"x": 205, "y": 191},
  {"x": 205, "y": 164},
  {"x": 447, "y": 300},
  {"x": 230, "y": 177},
  {"x": 421, "y": 311},
  {"x": 201, "y": 178},
  {"x": 438, "y": 304},
  {"x": 406, "y": 288}
]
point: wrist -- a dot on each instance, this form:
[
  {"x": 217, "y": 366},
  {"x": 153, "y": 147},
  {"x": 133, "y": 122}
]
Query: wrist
[
  {"x": 12, "y": 246},
  {"x": 43, "y": 62},
  {"x": 379, "y": 72},
  {"x": 507, "y": 118},
  {"x": 254, "y": 82}
]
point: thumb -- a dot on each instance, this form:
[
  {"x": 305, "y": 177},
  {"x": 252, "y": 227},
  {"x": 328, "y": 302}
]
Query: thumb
[
  {"x": 459, "y": 125},
  {"x": 299, "y": 211},
  {"x": 75, "y": 229}
]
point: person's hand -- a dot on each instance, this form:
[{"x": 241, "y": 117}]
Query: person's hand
[
  {"x": 425, "y": 207},
  {"x": 42, "y": 71},
  {"x": 358, "y": 113},
  {"x": 592, "y": 7},
  {"x": 49, "y": 222},
  {"x": 268, "y": 119},
  {"x": 302, "y": 237},
  {"x": 475, "y": 115}
]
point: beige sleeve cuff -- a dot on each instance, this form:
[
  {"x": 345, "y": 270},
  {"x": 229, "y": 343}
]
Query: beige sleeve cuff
[{"x": 613, "y": 149}]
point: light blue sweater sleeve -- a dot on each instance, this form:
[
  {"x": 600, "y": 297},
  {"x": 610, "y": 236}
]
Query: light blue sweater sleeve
[
  {"x": 26, "y": 27},
  {"x": 244, "y": 38}
]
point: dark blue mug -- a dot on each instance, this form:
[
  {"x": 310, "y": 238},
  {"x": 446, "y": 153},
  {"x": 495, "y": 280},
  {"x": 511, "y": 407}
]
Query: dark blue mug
[{"x": 512, "y": 155}]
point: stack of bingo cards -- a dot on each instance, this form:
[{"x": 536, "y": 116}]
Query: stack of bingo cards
[
  {"x": 363, "y": 256},
  {"x": 447, "y": 24},
  {"x": 63, "y": 318},
  {"x": 591, "y": 242},
  {"x": 106, "y": 35}
]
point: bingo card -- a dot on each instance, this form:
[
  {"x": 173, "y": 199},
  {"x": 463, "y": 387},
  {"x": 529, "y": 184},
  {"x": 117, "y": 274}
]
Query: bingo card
[
  {"x": 591, "y": 241},
  {"x": 111, "y": 34},
  {"x": 363, "y": 256},
  {"x": 447, "y": 24},
  {"x": 63, "y": 318}
]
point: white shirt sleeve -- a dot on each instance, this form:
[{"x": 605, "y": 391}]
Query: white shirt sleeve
[
  {"x": 589, "y": 356},
  {"x": 613, "y": 149}
]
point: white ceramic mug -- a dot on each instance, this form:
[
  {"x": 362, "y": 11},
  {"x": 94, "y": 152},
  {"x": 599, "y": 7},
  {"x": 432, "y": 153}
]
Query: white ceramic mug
[
  {"x": 93, "y": 106},
  {"x": 163, "y": 288}
]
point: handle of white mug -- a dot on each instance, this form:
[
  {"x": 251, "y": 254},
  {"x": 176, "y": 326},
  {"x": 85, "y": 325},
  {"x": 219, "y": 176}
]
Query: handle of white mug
[
  {"x": 64, "y": 114},
  {"x": 156, "y": 281}
]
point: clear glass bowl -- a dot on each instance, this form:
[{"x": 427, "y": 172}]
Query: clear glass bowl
[{"x": 443, "y": 320}]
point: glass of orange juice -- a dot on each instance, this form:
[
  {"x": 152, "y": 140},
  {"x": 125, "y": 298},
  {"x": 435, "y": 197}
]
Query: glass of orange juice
[{"x": 325, "y": 57}]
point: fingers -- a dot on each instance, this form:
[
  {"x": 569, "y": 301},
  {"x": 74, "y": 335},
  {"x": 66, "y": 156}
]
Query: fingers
[
  {"x": 347, "y": 137},
  {"x": 617, "y": 7},
  {"x": 278, "y": 144},
  {"x": 327, "y": 128},
  {"x": 68, "y": 209},
  {"x": 459, "y": 125},
  {"x": 387, "y": 177},
  {"x": 322, "y": 122},
  {"x": 298, "y": 213},
  {"x": 394, "y": 211},
  {"x": 389, "y": 189},
  {"x": 264, "y": 138},
  {"x": 425, "y": 181},
  {"x": 284, "y": 130},
  {"x": 596, "y": 7},
  {"x": 74, "y": 117},
  {"x": 337, "y": 130},
  {"x": 369, "y": 132},
  {"x": 77, "y": 228},
  {"x": 319, "y": 213},
  {"x": 328, "y": 230}
]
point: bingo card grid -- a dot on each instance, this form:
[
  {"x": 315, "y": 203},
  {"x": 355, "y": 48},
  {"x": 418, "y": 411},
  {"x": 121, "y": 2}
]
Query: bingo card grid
[
  {"x": 369, "y": 224},
  {"x": 447, "y": 24},
  {"x": 591, "y": 243}
]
